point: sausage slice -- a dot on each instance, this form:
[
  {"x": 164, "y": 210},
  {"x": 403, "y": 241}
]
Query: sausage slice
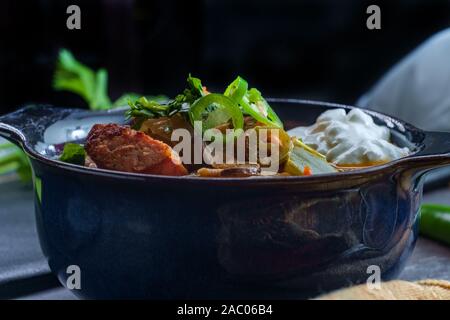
[{"x": 116, "y": 147}]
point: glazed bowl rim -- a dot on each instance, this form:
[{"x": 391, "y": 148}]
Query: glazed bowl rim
[{"x": 372, "y": 170}]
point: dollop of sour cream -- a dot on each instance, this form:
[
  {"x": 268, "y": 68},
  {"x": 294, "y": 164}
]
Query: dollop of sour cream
[{"x": 350, "y": 139}]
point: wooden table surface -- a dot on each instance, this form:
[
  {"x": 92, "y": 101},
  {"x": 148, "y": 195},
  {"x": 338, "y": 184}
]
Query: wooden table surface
[{"x": 24, "y": 273}]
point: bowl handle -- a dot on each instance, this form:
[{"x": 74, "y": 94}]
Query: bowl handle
[
  {"x": 10, "y": 128},
  {"x": 28, "y": 122},
  {"x": 435, "y": 151}
]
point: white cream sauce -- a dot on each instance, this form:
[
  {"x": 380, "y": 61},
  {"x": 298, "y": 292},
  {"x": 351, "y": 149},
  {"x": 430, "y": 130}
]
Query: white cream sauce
[{"x": 350, "y": 139}]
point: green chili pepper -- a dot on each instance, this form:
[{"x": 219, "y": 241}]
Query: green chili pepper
[
  {"x": 435, "y": 222},
  {"x": 216, "y": 109},
  {"x": 256, "y": 99},
  {"x": 237, "y": 89},
  {"x": 252, "y": 103}
]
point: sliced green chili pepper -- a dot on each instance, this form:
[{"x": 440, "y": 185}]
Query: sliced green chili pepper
[
  {"x": 252, "y": 103},
  {"x": 216, "y": 109},
  {"x": 435, "y": 222},
  {"x": 255, "y": 98},
  {"x": 237, "y": 89}
]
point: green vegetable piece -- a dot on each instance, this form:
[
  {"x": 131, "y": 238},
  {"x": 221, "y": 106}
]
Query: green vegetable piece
[
  {"x": 252, "y": 103},
  {"x": 153, "y": 107},
  {"x": 237, "y": 89},
  {"x": 259, "y": 104},
  {"x": 195, "y": 85},
  {"x": 14, "y": 159},
  {"x": 435, "y": 222},
  {"x": 300, "y": 158},
  {"x": 73, "y": 153},
  {"x": 38, "y": 187},
  {"x": 73, "y": 76},
  {"x": 284, "y": 141},
  {"x": 301, "y": 144},
  {"x": 126, "y": 98},
  {"x": 100, "y": 99},
  {"x": 143, "y": 109},
  {"x": 215, "y": 109}
]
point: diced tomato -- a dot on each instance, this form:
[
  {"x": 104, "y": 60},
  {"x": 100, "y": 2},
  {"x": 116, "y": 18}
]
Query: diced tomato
[{"x": 307, "y": 171}]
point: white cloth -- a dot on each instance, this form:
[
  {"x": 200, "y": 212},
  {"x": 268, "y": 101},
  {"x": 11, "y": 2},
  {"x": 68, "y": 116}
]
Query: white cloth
[{"x": 417, "y": 89}]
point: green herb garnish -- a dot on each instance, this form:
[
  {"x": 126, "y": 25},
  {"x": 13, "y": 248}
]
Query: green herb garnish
[
  {"x": 73, "y": 153},
  {"x": 145, "y": 108},
  {"x": 124, "y": 99}
]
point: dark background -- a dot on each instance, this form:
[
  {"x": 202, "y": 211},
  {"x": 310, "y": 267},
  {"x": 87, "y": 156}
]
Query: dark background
[{"x": 318, "y": 49}]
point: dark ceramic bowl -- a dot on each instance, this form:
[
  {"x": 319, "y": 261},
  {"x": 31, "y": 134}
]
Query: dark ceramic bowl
[{"x": 146, "y": 236}]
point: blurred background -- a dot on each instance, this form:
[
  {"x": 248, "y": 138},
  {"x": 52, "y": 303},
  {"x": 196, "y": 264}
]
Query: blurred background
[
  {"x": 318, "y": 49},
  {"x": 314, "y": 49}
]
